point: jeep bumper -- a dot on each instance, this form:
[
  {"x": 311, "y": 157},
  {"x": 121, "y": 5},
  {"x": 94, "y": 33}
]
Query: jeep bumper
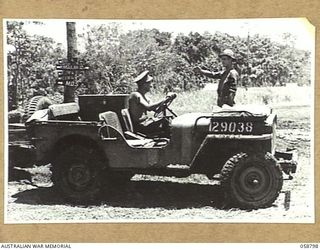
[{"x": 288, "y": 162}]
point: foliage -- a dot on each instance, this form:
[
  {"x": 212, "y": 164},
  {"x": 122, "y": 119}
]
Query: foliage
[
  {"x": 115, "y": 58},
  {"x": 205, "y": 100},
  {"x": 31, "y": 64}
]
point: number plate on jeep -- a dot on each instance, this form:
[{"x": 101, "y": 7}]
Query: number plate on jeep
[{"x": 236, "y": 127}]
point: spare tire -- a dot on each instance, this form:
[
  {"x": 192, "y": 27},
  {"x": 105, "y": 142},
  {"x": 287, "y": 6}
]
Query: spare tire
[{"x": 36, "y": 103}]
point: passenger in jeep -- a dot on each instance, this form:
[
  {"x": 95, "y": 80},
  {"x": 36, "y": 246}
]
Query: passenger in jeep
[{"x": 139, "y": 104}]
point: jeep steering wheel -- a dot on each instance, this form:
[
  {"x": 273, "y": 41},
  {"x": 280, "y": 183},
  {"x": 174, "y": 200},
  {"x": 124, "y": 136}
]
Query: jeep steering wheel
[{"x": 164, "y": 106}]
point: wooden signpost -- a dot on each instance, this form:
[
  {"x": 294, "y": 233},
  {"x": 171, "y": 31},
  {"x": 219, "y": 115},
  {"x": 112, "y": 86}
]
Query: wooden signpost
[
  {"x": 70, "y": 69},
  {"x": 69, "y": 72}
]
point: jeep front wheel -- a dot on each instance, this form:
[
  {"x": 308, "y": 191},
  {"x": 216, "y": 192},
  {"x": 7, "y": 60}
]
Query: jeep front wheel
[
  {"x": 77, "y": 174},
  {"x": 251, "y": 181}
]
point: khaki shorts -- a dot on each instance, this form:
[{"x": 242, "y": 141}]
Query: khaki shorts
[{"x": 228, "y": 99}]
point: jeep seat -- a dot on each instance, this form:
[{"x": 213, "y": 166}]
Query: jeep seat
[
  {"x": 111, "y": 118},
  {"x": 127, "y": 119},
  {"x": 133, "y": 134},
  {"x": 130, "y": 133}
]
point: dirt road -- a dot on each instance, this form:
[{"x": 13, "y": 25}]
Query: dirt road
[{"x": 149, "y": 198}]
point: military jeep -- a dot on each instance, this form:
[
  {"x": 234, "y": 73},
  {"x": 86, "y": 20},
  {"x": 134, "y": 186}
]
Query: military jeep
[{"x": 92, "y": 143}]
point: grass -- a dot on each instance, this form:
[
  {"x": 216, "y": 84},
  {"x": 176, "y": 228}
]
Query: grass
[{"x": 204, "y": 100}]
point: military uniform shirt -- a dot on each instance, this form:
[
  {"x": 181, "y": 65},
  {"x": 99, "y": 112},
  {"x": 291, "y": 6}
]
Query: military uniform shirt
[{"x": 228, "y": 81}]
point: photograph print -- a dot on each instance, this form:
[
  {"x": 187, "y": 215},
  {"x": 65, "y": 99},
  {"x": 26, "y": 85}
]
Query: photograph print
[{"x": 159, "y": 120}]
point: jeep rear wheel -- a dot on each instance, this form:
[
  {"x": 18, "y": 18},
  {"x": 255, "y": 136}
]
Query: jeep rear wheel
[
  {"x": 253, "y": 181},
  {"x": 77, "y": 174}
]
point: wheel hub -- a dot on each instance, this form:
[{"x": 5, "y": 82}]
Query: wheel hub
[
  {"x": 254, "y": 182},
  {"x": 79, "y": 175},
  {"x": 251, "y": 181}
]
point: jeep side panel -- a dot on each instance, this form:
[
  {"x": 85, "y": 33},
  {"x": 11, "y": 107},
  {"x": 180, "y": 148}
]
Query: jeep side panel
[
  {"x": 217, "y": 149},
  {"x": 50, "y": 136},
  {"x": 184, "y": 138},
  {"x": 136, "y": 154}
]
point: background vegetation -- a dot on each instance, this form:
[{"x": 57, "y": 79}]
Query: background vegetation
[{"x": 116, "y": 58}]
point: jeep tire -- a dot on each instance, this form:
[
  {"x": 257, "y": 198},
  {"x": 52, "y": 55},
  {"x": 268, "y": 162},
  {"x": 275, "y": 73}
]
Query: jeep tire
[
  {"x": 77, "y": 174},
  {"x": 251, "y": 181},
  {"x": 36, "y": 103}
]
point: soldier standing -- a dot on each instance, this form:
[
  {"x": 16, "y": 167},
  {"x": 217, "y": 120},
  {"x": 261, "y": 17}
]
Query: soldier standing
[{"x": 228, "y": 78}]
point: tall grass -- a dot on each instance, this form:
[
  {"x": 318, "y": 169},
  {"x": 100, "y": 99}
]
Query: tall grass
[{"x": 204, "y": 100}]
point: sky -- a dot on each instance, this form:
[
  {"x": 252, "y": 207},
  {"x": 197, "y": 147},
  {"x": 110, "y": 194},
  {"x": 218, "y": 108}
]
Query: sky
[{"x": 270, "y": 27}]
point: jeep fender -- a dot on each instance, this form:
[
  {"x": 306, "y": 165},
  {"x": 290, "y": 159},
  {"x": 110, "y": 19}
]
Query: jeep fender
[{"x": 216, "y": 149}]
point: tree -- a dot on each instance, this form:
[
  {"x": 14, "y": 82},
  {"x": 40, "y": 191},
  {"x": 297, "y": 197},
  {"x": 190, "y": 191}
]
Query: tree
[
  {"x": 116, "y": 58},
  {"x": 31, "y": 64}
]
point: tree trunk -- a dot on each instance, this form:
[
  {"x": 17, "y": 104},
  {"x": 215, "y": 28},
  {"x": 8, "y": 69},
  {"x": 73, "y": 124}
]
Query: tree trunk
[{"x": 69, "y": 91}]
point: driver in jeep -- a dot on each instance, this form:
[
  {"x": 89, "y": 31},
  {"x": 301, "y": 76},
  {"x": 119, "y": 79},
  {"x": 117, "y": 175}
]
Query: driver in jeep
[{"x": 139, "y": 104}]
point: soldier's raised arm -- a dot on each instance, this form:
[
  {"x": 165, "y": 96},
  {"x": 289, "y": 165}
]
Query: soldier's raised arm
[{"x": 207, "y": 73}]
